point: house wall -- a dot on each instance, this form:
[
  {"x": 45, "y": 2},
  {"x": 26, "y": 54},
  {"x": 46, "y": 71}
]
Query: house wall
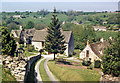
[
  {"x": 92, "y": 55},
  {"x": 71, "y": 45},
  {"x": 37, "y": 45},
  {"x": 98, "y": 29},
  {"x": 66, "y": 51}
]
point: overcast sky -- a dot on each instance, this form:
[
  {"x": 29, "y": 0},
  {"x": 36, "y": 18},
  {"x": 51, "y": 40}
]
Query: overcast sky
[{"x": 59, "y": 0}]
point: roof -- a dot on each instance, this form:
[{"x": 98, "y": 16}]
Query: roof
[
  {"x": 17, "y": 32},
  {"x": 99, "y": 46},
  {"x": 99, "y": 27},
  {"x": 25, "y": 32},
  {"x": 40, "y": 35}
]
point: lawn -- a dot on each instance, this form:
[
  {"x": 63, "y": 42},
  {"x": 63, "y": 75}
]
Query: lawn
[
  {"x": 70, "y": 74},
  {"x": 43, "y": 73},
  {"x": 77, "y": 53}
]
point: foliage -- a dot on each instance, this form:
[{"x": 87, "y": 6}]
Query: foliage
[
  {"x": 97, "y": 64},
  {"x": 111, "y": 59},
  {"x": 8, "y": 42},
  {"x": 11, "y": 26},
  {"x": 30, "y": 25},
  {"x": 30, "y": 48},
  {"x": 54, "y": 42},
  {"x": 86, "y": 63}
]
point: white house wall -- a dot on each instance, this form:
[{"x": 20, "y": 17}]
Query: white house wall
[
  {"x": 92, "y": 55},
  {"x": 66, "y": 51},
  {"x": 37, "y": 45}
]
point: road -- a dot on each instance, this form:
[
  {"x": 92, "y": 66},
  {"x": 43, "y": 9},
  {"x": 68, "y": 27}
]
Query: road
[{"x": 37, "y": 72}]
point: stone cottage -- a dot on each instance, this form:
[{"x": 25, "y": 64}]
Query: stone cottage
[
  {"x": 23, "y": 36},
  {"x": 94, "y": 51},
  {"x": 39, "y": 39}
]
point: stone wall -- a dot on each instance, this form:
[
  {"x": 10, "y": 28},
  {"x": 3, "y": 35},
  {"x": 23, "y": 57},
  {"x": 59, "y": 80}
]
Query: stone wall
[
  {"x": 109, "y": 78},
  {"x": 19, "y": 68}
]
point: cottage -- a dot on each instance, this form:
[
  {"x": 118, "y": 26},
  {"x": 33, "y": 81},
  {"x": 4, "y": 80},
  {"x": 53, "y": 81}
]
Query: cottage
[
  {"x": 94, "y": 51},
  {"x": 39, "y": 39},
  {"x": 100, "y": 28},
  {"x": 23, "y": 35}
]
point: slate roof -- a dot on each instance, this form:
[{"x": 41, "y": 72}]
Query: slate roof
[
  {"x": 40, "y": 35},
  {"x": 99, "y": 46}
]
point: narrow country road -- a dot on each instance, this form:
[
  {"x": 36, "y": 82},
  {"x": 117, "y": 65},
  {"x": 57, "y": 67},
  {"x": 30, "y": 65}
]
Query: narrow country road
[
  {"x": 51, "y": 76},
  {"x": 37, "y": 72}
]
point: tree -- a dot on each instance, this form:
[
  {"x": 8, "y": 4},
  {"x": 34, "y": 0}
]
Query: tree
[
  {"x": 54, "y": 42},
  {"x": 8, "y": 42},
  {"x": 111, "y": 59},
  {"x": 11, "y": 26},
  {"x": 30, "y": 25}
]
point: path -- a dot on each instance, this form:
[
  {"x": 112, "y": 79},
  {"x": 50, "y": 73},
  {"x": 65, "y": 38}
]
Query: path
[{"x": 51, "y": 76}]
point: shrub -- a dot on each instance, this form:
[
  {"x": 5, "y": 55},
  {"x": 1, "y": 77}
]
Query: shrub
[
  {"x": 30, "y": 48},
  {"x": 97, "y": 64},
  {"x": 86, "y": 63},
  {"x": 70, "y": 55},
  {"x": 90, "y": 67}
]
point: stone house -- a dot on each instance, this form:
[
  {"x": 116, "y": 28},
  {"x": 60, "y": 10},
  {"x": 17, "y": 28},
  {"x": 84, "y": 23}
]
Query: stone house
[
  {"x": 39, "y": 39},
  {"x": 23, "y": 36},
  {"x": 94, "y": 51},
  {"x": 100, "y": 28}
]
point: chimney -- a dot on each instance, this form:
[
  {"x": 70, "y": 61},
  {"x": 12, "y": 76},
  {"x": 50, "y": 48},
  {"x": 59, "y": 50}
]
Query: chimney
[
  {"x": 102, "y": 39},
  {"x": 21, "y": 28},
  {"x": 88, "y": 42}
]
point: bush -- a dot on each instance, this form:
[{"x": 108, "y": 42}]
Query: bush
[
  {"x": 90, "y": 67},
  {"x": 30, "y": 48},
  {"x": 70, "y": 55},
  {"x": 86, "y": 63},
  {"x": 97, "y": 64}
]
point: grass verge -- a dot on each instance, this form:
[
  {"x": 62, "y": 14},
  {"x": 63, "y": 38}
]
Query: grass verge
[
  {"x": 6, "y": 75},
  {"x": 69, "y": 74}
]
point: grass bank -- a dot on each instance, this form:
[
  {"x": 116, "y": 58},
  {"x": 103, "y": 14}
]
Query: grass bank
[
  {"x": 6, "y": 75},
  {"x": 70, "y": 74}
]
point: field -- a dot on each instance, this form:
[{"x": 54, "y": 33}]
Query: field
[{"x": 70, "y": 74}]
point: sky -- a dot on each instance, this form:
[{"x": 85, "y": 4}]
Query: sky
[{"x": 59, "y": 0}]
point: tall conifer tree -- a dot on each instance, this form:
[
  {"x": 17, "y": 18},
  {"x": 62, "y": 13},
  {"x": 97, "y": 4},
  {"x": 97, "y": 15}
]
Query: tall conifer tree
[{"x": 54, "y": 42}]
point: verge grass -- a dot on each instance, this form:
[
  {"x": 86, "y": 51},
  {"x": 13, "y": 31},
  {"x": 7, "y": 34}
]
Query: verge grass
[{"x": 70, "y": 74}]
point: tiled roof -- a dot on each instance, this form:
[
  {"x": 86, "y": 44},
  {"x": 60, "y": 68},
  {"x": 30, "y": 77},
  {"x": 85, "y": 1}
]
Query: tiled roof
[
  {"x": 40, "y": 35},
  {"x": 99, "y": 46}
]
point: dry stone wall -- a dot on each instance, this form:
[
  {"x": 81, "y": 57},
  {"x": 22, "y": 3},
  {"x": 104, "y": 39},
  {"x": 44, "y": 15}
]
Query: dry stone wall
[{"x": 19, "y": 68}]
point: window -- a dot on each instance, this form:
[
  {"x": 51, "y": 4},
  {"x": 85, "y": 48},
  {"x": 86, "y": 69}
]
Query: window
[{"x": 87, "y": 53}]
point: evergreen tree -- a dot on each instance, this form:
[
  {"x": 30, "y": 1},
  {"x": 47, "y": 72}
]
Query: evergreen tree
[
  {"x": 54, "y": 42},
  {"x": 8, "y": 43},
  {"x": 111, "y": 59}
]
